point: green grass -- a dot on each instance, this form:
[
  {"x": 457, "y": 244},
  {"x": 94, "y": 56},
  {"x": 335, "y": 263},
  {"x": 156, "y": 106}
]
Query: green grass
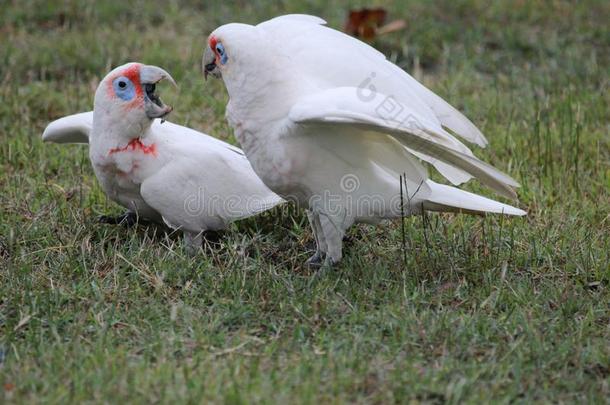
[{"x": 483, "y": 309}]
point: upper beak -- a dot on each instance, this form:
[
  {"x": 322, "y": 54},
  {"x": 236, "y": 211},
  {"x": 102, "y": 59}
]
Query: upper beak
[
  {"x": 149, "y": 77},
  {"x": 209, "y": 63},
  {"x": 153, "y": 74}
]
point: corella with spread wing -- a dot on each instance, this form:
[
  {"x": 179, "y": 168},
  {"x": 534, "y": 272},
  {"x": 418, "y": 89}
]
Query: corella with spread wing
[
  {"x": 328, "y": 122},
  {"x": 159, "y": 170}
]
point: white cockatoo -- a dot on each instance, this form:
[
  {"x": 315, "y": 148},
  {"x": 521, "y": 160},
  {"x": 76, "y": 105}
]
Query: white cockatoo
[
  {"x": 328, "y": 122},
  {"x": 158, "y": 170}
]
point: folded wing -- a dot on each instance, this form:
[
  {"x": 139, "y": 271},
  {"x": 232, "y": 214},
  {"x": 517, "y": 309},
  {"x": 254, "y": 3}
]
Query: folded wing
[{"x": 207, "y": 184}]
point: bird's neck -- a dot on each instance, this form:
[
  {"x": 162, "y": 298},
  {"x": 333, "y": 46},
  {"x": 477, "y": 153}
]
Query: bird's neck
[
  {"x": 113, "y": 131},
  {"x": 267, "y": 89}
]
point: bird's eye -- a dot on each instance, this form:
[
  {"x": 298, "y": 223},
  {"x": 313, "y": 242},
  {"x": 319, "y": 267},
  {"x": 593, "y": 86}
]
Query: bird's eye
[
  {"x": 220, "y": 50},
  {"x": 124, "y": 88}
]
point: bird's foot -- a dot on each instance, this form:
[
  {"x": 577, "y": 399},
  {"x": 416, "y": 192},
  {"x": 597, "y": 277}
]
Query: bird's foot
[
  {"x": 191, "y": 250},
  {"x": 127, "y": 219},
  {"x": 316, "y": 261},
  {"x": 324, "y": 268},
  {"x": 329, "y": 263}
]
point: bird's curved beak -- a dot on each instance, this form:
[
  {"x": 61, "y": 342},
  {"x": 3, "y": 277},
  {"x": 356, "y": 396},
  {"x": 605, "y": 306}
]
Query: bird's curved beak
[
  {"x": 209, "y": 64},
  {"x": 149, "y": 77}
]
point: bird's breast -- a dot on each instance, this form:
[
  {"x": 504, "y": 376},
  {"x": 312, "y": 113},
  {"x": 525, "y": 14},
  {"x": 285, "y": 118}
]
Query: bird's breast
[
  {"x": 274, "y": 160},
  {"x": 128, "y": 166}
]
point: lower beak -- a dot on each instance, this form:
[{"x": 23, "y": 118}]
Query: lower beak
[
  {"x": 153, "y": 105},
  {"x": 211, "y": 69},
  {"x": 154, "y": 110}
]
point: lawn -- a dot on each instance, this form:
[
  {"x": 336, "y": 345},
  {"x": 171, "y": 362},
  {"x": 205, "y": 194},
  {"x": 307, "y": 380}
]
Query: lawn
[{"x": 467, "y": 309}]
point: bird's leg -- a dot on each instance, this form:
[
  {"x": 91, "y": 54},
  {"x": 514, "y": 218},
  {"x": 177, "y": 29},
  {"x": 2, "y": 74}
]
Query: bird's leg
[
  {"x": 333, "y": 230},
  {"x": 128, "y": 218},
  {"x": 317, "y": 259},
  {"x": 192, "y": 242}
]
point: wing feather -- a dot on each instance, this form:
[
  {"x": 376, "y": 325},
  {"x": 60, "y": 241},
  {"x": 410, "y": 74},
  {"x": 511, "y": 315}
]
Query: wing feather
[
  {"x": 341, "y": 106},
  {"x": 70, "y": 129},
  {"x": 336, "y": 58}
]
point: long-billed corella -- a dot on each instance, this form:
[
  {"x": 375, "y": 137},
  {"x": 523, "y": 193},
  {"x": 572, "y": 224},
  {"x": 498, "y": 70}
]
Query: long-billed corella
[
  {"x": 329, "y": 123},
  {"x": 159, "y": 170}
]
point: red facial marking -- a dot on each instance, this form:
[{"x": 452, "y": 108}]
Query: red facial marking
[
  {"x": 136, "y": 145},
  {"x": 133, "y": 74},
  {"x": 213, "y": 42}
]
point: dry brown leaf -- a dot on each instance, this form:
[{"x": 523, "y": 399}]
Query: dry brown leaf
[
  {"x": 364, "y": 23},
  {"x": 367, "y": 23}
]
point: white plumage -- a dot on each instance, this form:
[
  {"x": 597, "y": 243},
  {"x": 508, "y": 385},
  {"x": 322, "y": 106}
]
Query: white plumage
[
  {"x": 162, "y": 171},
  {"x": 329, "y": 123}
]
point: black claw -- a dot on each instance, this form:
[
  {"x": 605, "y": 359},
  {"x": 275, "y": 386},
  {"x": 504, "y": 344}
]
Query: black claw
[
  {"x": 316, "y": 261},
  {"x": 213, "y": 237},
  {"x": 127, "y": 219}
]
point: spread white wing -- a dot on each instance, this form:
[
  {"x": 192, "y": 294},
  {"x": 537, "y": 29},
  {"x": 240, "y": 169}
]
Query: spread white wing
[
  {"x": 359, "y": 86},
  {"x": 341, "y": 60},
  {"x": 343, "y": 107}
]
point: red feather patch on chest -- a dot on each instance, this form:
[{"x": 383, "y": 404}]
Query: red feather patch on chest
[{"x": 135, "y": 145}]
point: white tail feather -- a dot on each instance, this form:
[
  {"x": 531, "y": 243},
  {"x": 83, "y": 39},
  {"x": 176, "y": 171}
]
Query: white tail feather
[{"x": 447, "y": 198}]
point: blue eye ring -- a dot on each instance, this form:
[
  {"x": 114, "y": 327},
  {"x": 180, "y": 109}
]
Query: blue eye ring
[
  {"x": 124, "y": 88},
  {"x": 220, "y": 50}
]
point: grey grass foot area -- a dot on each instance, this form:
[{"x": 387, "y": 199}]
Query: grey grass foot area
[{"x": 127, "y": 219}]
